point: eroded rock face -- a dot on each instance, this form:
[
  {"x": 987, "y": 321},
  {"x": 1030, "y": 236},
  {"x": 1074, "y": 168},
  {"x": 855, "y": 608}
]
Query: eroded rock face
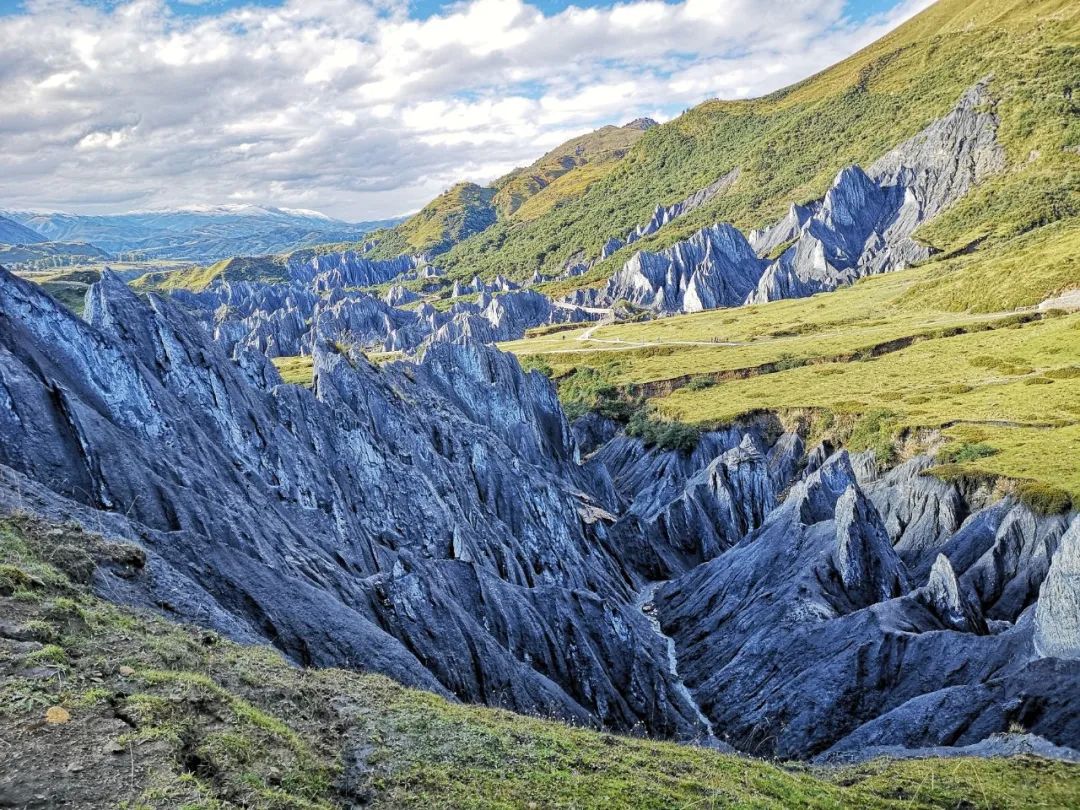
[
  {"x": 715, "y": 267},
  {"x": 950, "y": 601},
  {"x": 441, "y": 522},
  {"x": 430, "y": 522},
  {"x": 505, "y": 316},
  {"x": 1057, "y": 615},
  {"x": 864, "y": 557},
  {"x": 805, "y": 635},
  {"x": 862, "y": 226}
]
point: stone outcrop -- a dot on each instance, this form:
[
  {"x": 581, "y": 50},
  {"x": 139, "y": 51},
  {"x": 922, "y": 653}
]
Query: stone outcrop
[
  {"x": 864, "y": 225},
  {"x": 863, "y": 555},
  {"x": 430, "y": 522},
  {"x": 505, "y": 317},
  {"x": 1057, "y": 615},
  {"x": 713, "y": 268},
  {"x": 949, "y": 601},
  {"x": 398, "y": 295},
  {"x": 666, "y": 214},
  {"x": 792, "y": 647}
]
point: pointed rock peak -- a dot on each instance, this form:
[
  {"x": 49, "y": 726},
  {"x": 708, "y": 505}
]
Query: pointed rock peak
[
  {"x": 816, "y": 496},
  {"x": 1057, "y": 614},
  {"x": 109, "y": 278},
  {"x": 113, "y": 307},
  {"x": 746, "y": 451},
  {"x": 641, "y": 123},
  {"x": 852, "y": 175},
  {"x": 864, "y": 557},
  {"x": 944, "y": 595},
  {"x": 111, "y": 286}
]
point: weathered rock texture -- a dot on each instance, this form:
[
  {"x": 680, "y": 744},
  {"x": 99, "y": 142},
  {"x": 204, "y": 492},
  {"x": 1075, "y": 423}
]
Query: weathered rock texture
[
  {"x": 812, "y": 634},
  {"x": 441, "y": 522},
  {"x": 864, "y": 225}
]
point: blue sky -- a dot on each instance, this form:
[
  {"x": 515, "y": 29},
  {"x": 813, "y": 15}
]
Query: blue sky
[
  {"x": 858, "y": 9},
  {"x": 366, "y": 108}
]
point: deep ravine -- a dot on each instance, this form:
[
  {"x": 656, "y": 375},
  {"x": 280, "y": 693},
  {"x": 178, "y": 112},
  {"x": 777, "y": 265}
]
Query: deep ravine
[{"x": 644, "y": 602}]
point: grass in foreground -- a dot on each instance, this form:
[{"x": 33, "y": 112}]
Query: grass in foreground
[{"x": 143, "y": 713}]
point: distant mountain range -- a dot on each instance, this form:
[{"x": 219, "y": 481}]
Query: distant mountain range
[
  {"x": 12, "y": 233},
  {"x": 198, "y": 233}
]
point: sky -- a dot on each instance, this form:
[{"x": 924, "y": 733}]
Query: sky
[{"x": 365, "y": 109}]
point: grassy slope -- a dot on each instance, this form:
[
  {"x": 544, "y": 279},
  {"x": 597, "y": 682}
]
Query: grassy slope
[
  {"x": 269, "y": 269},
  {"x": 467, "y": 208},
  {"x": 599, "y": 150},
  {"x": 204, "y": 723},
  {"x": 971, "y": 367},
  {"x": 294, "y": 370},
  {"x": 791, "y": 144},
  {"x": 66, "y": 286},
  {"x": 454, "y": 215}
]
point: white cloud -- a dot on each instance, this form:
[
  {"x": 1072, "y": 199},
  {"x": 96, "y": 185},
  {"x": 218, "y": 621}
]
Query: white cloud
[{"x": 349, "y": 106}]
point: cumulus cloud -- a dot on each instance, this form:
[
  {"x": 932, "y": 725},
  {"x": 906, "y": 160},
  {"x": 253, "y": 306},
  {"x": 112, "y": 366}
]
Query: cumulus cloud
[{"x": 353, "y": 107}]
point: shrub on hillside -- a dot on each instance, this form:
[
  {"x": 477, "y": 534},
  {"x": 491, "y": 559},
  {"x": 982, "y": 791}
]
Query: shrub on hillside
[{"x": 965, "y": 451}]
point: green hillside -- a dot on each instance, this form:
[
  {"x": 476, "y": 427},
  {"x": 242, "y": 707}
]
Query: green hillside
[
  {"x": 467, "y": 209},
  {"x": 600, "y": 148},
  {"x": 952, "y": 352},
  {"x": 454, "y": 215},
  {"x": 269, "y": 269},
  {"x": 950, "y": 357},
  {"x": 103, "y": 706},
  {"x": 791, "y": 144}
]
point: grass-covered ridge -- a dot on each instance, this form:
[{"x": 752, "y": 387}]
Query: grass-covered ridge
[
  {"x": 146, "y": 714},
  {"x": 456, "y": 214},
  {"x": 466, "y": 209},
  {"x": 596, "y": 149},
  {"x": 267, "y": 269},
  {"x": 791, "y": 144}
]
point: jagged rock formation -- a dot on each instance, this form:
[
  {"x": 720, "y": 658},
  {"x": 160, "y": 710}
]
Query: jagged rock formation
[
  {"x": 477, "y": 285},
  {"x": 864, "y": 225},
  {"x": 398, "y": 295},
  {"x": 713, "y": 268},
  {"x": 949, "y": 601},
  {"x": 864, "y": 557},
  {"x": 791, "y": 649},
  {"x": 784, "y": 231},
  {"x": 665, "y": 214},
  {"x": 409, "y": 519},
  {"x": 330, "y": 271},
  {"x": 441, "y": 522},
  {"x": 504, "y": 317},
  {"x": 285, "y": 320},
  {"x": 662, "y": 215},
  {"x": 1057, "y": 616}
]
